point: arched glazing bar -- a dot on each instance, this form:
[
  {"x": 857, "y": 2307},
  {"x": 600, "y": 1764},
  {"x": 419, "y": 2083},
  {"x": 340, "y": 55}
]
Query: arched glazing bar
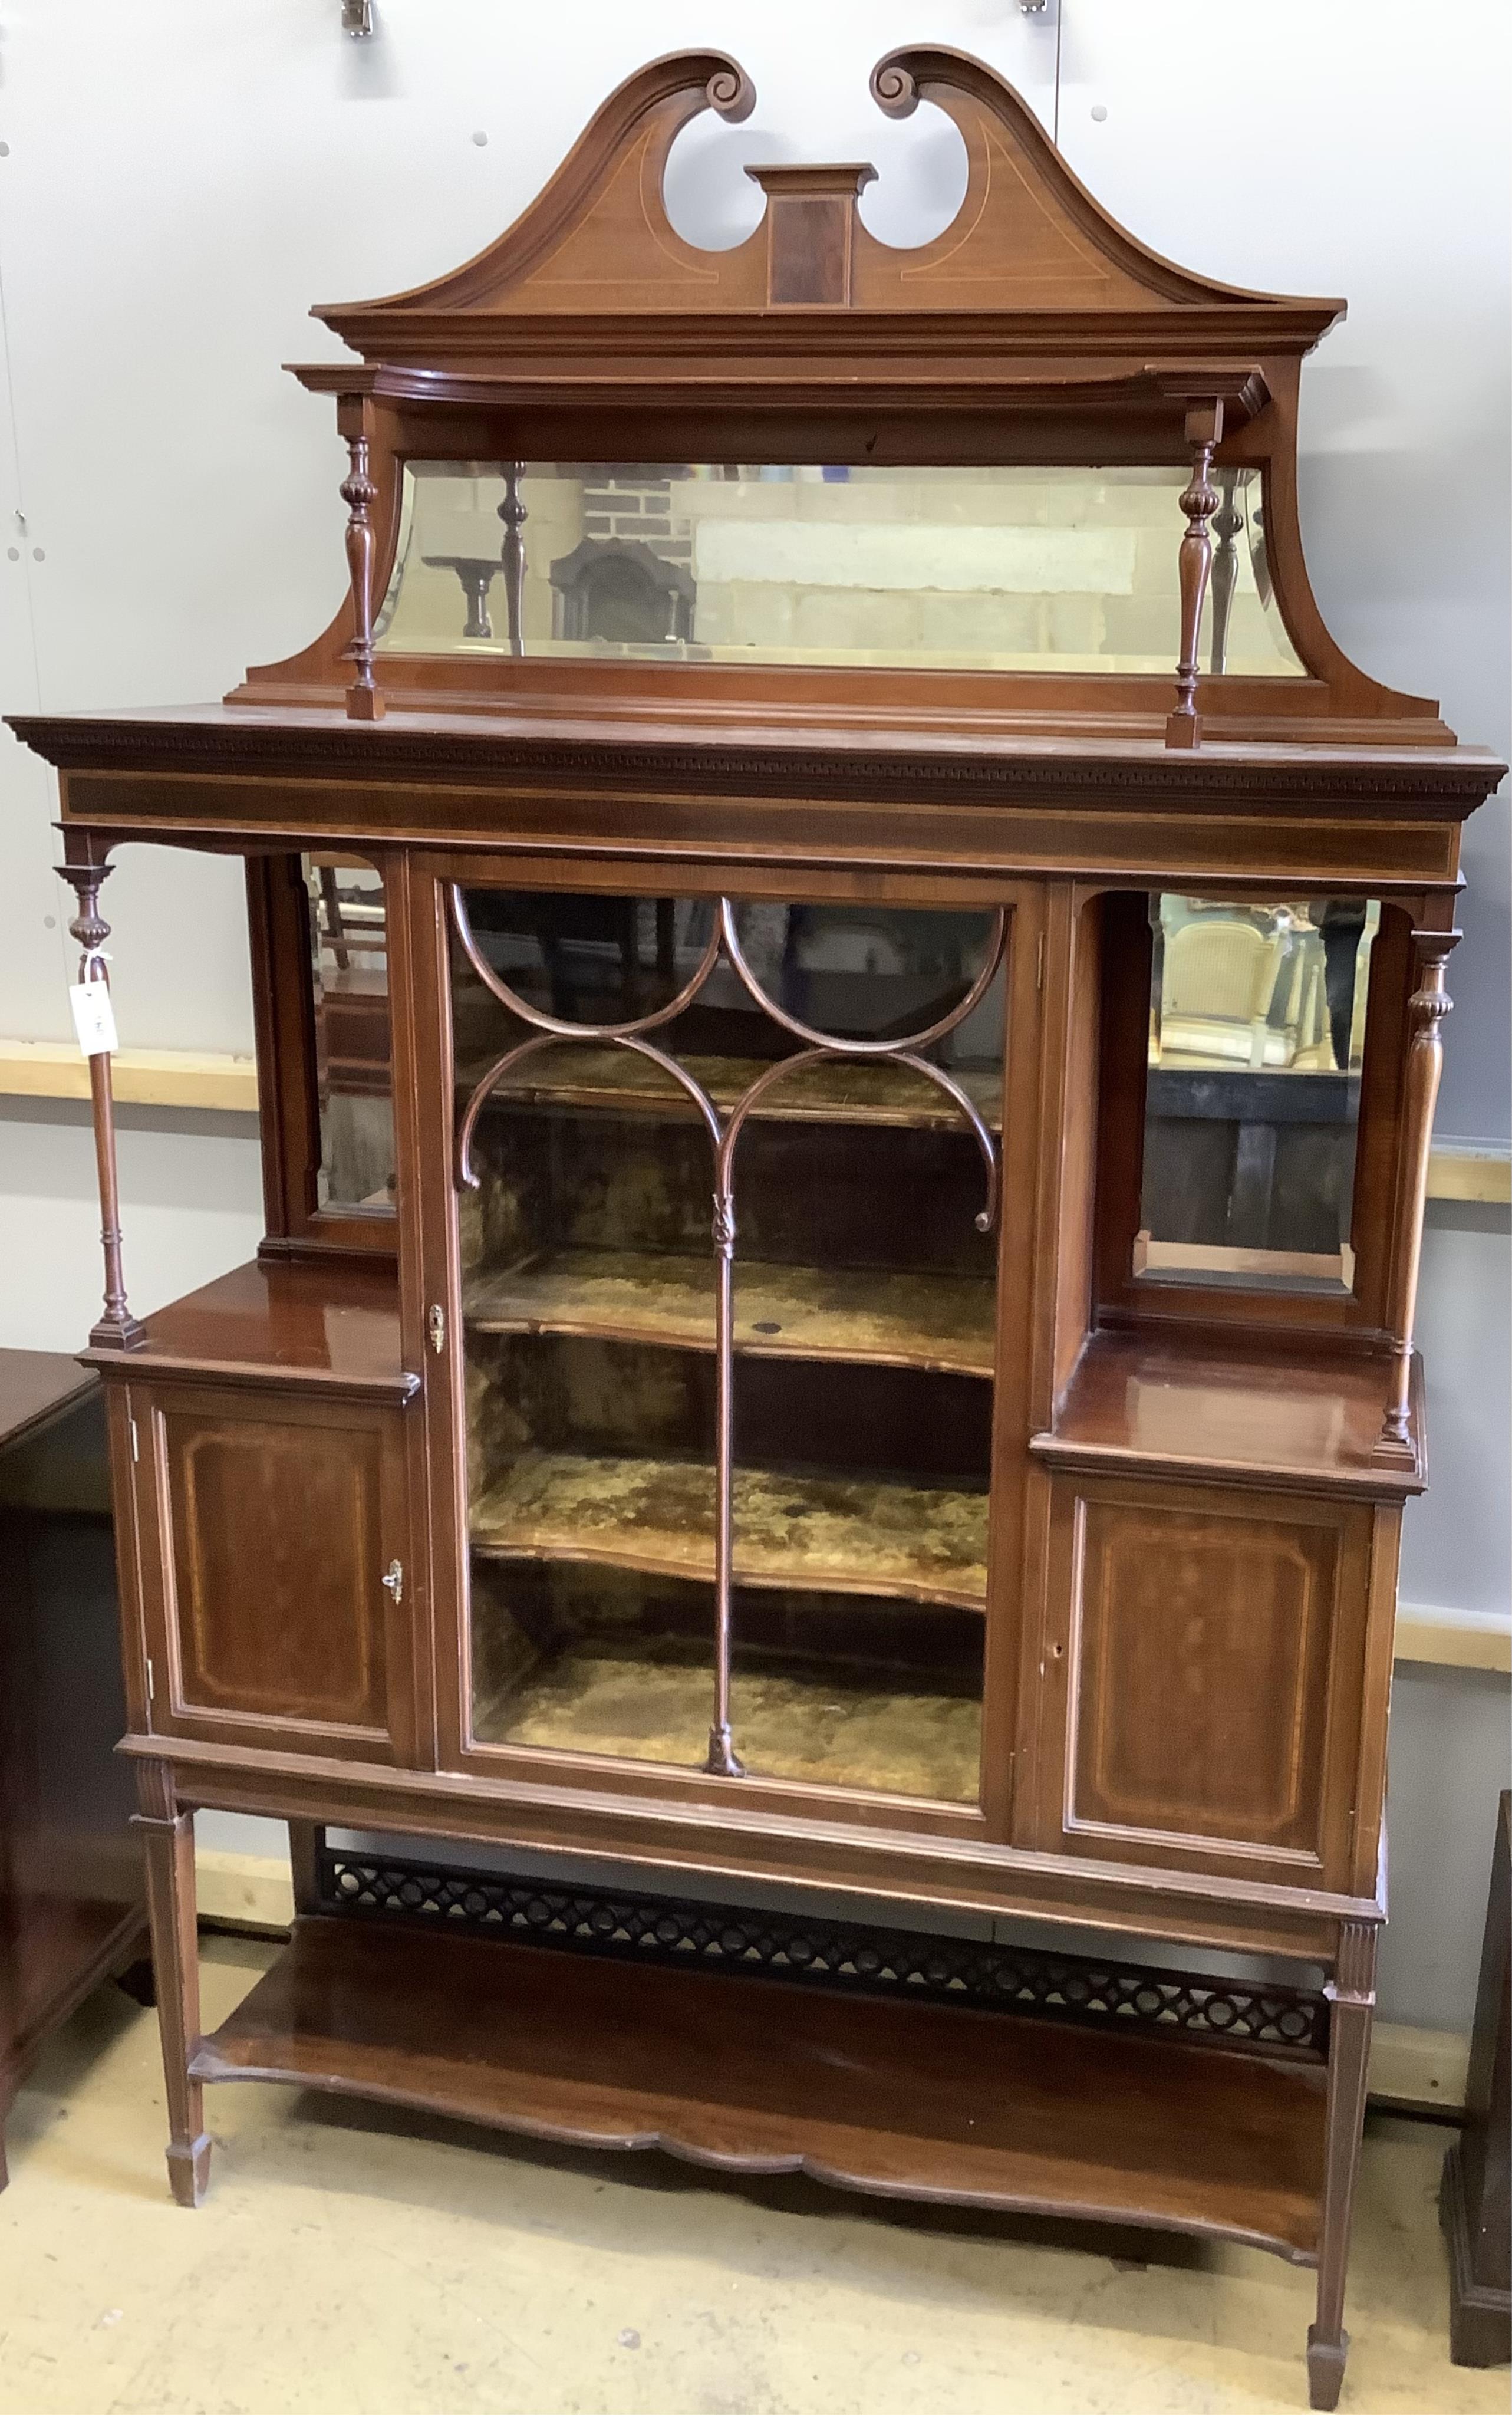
[{"x": 549, "y": 1031}]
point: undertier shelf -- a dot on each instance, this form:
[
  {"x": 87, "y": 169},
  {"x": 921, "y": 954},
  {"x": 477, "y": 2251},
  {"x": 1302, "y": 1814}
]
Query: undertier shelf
[
  {"x": 842, "y": 1092},
  {"x": 822, "y": 1534},
  {"x": 654, "y": 1702},
  {"x": 902, "y": 2099},
  {"x": 942, "y": 1324}
]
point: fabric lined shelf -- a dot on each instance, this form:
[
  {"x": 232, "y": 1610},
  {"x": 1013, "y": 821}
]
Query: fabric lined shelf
[
  {"x": 940, "y": 1322},
  {"x": 841, "y": 1090},
  {"x": 651, "y": 1701},
  {"x": 821, "y": 1534}
]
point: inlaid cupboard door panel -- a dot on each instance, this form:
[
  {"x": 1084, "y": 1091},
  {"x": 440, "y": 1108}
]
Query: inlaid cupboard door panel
[
  {"x": 275, "y": 1614},
  {"x": 1205, "y": 1667}
]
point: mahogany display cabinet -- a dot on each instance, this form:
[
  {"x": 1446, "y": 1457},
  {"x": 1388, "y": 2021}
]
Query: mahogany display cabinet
[{"x": 850, "y": 992}]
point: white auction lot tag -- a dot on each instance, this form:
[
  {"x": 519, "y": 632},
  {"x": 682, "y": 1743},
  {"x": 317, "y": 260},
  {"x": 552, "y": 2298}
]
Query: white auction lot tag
[{"x": 94, "y": 1018}]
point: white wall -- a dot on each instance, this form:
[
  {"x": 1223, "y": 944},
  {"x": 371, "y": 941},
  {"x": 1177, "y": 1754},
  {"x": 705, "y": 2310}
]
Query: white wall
[{"x": 181, "y": 181}]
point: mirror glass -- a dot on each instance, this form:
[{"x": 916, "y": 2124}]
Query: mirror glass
[
  {"x": 983, "y": 569},
  {"x": 353, "y": 1052},
  {"x": 1252, "y": 1091}
]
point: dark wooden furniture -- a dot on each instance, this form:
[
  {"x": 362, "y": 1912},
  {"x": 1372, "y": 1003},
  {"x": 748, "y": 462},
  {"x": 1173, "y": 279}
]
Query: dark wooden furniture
[
  {"x": 608, "y": 586},
  {"x": 944, "y": 1527},
  {"x": 72, "y": 1899},
  {"x": 1476, "y": 2199}
]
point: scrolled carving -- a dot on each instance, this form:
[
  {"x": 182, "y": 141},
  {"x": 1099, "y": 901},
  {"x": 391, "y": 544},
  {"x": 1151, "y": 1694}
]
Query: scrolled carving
[
  {"x": 731, "y": 93},
  {"x": 893, "y": 89}
]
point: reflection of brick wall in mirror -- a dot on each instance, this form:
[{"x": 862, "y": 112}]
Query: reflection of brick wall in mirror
[{"x": 995, "y": 567}]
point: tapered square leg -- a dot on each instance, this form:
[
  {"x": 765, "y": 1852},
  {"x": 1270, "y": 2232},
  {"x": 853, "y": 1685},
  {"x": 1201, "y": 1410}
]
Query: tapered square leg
[
  {"x": 1351, "y": 1996},
  {"x": 1326, "y": 2368},
  {"x": 306, "y": 1840},
  {"x": 188, "y": 2170},
  {"x": 167, "y": 1835}
]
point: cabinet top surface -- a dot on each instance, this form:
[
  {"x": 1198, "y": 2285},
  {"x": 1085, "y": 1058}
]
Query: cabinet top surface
[
  {"x": 1219, "y": 1405},
  {"x": 335, "y": 1324}
]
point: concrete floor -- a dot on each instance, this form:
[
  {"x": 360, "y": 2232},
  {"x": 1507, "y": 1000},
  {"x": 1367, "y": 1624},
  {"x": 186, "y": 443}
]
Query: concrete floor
[{"x": 350, "y": 2262}]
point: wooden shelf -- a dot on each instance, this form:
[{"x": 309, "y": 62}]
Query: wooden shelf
[
  {"x": 1210, "y": 1407},
  {"x": 900, "y": 2099},
  {"x": 811, "y": 1533},
  {"x": 940, "y": 1322},
  {"x": 840, "y": 1092},
  {"x": 652, "y": 1702},
  {"x": 331, "y": 1326}
]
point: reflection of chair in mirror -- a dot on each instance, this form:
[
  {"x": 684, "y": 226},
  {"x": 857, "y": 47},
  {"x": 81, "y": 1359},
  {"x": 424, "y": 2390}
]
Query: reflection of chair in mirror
[
  {"x": 1248, "y": 1132},
  {"x": 330, "y": 907},
  {"x": 619, "y": 591},
  {"x": 1218, "y": 983},
  {"x": 1239, "y": 989},
  {"x": 351, "y": 920}
]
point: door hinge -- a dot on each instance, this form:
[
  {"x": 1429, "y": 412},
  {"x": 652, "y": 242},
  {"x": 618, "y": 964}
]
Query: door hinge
[
  {"x": 1039, "y": 963},
  {"x": 436, "y": 1328},
  {"x": 392, "y": 1580}
]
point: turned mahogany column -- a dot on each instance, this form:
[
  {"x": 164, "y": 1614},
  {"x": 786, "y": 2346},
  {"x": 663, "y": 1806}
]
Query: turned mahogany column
[
  {"x": 512, "y": 513},
  {"x": 1430, "y": 1003},
  {"x": 359, "y": 492},
  {"x": 1200, "y": 499},
  {"x": 117, "y": 1328},
  {"x": 1227, "y": 523}
]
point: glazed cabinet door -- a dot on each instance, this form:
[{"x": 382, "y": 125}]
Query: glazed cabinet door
[
  {"x": 723, "y": 1183},
  {"x": 276, "y": 1560},
  {"x": 1205, "y": 1676}
]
